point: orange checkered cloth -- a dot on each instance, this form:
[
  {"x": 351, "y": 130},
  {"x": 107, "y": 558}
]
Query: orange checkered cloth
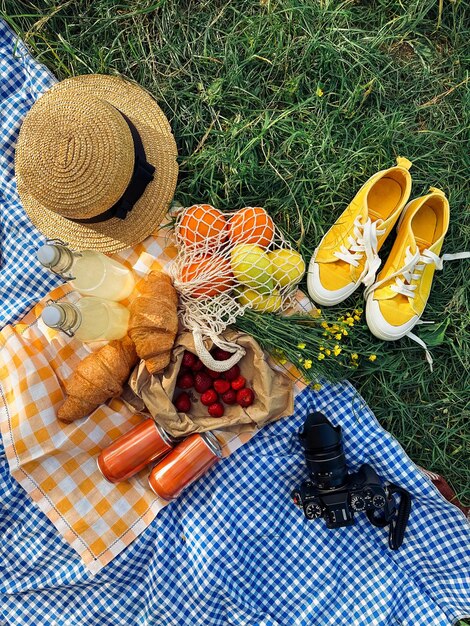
[{"x": 56, "y": 463}]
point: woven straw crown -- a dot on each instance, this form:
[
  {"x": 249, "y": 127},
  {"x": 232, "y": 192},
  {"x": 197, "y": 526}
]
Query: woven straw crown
[
  {"x": 78, "y": 155},
  {"x": 75, "y": 159}
]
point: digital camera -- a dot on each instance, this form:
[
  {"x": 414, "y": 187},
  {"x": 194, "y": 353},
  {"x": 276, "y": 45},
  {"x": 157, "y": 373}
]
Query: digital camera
[{"x": 335, "y": 495}]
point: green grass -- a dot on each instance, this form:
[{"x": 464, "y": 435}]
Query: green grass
[{"x": 293, "y": 105}]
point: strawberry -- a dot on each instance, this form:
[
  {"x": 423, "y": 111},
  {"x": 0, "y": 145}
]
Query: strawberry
[
  {"x": 238, "y": 383},
  {"x": 220, "y": 355},
  {"x": 232, "y": 373},
  {"x": 202, "y": 382},
  {"x": 221, "y": 386},
  {"x": 216, "y": 409},
  {"x": 189, "y": 359},
  {"x": 230, "y": 396},
  {"x": 183, "y": 402},
  {"x": 185, "y": 381},
  {"x": 245, "y": 397},
  {"x": 213, "y": 374},
  {"x": 209, "y": 397},
  {"x": 198, "y": 365}
]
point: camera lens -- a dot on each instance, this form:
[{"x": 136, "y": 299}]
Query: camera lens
[{"x": 323, "y": 452}]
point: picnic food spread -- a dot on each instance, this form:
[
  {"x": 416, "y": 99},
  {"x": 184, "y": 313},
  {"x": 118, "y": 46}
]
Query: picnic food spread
[{"x": 225, "y": 263}]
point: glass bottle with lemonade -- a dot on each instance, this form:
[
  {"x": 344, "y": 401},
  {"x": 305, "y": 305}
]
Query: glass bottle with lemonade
[
  {"x": 89, "y": 319},
  {"x": 91, "y": 273}
]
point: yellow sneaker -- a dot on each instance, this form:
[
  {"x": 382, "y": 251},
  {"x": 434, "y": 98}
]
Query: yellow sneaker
[
  {"x": 397, "y": 300},
  {"x": 347, "y": 254}
]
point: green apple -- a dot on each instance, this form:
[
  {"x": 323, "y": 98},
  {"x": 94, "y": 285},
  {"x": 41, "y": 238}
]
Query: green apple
[
  {"x": 263, "y": 304},
  {"x": 252, "y": 267},
  {"x": 288, "y": 266}
]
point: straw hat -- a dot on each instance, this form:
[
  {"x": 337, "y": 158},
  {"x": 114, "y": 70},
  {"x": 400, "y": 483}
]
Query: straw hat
[{"x": 96, "y": 163}]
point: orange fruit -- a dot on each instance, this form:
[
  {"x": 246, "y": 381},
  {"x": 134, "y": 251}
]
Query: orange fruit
[
  {"x": 210, "y": 276},
  {"x": 200, "y": 223},
  {"x": 251, "y": 225}
]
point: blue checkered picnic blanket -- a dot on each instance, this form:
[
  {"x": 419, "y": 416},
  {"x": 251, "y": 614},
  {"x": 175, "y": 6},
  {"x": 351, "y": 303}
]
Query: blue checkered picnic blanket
[
  {"x": 234, "y": 550},
  {"x": 22, "y": 279}
]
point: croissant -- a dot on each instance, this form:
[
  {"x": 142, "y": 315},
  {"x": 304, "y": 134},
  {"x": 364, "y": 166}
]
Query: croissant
[
  {"x": 100, "y": 376},
  {"x": 153, "y": 321}
]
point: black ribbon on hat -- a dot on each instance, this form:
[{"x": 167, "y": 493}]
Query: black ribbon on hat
[{"x": 141, "y": 176}]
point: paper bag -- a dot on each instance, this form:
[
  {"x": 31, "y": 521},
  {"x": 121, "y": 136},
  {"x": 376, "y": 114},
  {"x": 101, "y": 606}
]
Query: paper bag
[{"x": 273, "y": 391}]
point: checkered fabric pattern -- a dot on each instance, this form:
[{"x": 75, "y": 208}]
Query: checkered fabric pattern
[
  {"x": 235, "y": 550},
  {"x": 22, "y": 278},
  {"x": 56, "y": 463}
]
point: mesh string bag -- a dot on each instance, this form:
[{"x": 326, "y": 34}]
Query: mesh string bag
[{"x": 228, "y": 262}]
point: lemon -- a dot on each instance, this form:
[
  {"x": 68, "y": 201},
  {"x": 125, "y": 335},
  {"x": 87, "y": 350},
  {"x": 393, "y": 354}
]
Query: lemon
[
  {"x": 261, "y": 303},
  {"x": 288, "y": 266},
  {"x": 252, "y": 267}
]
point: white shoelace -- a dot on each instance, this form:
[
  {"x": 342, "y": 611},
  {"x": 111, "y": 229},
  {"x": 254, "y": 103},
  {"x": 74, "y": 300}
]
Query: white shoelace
[
  {"x": 363, "y": 242},
  {"x": 412, "y": 270}
]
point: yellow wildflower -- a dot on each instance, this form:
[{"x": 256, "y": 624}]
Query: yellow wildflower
[
  {"x": 336, "y": 350},
  {"x": 322, "y": 347},
  {"x": 338, "y": 336},
  {"x": 316, "y": 387},
  {"x": 345, "y": 332},
  {"x": 358, "y": 311},
  {"x": 354, "y": 356},
  {"x": 320, "y": 356},
  {"x": 301, "y": 346},
  {"x": 327, "y": 352},
  {"x": 357, "y": 317},
  {"x": 372, "y": 357},
  {"x": 324, "y": 325},
  {"x": 279, "y": 356},
  {"x": 325, "y": 334},
  {"x": 307, "y": 364},
  {"x": 319, "y": 92},
  {"x": 350, "y": 321}
]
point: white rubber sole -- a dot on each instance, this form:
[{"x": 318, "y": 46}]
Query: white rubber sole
[
  {"x": 380, "y": 328},
  {"x": 323, "y": 296}
]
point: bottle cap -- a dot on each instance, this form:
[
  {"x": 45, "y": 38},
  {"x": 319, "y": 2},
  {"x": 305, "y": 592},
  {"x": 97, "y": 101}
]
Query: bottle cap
[
  {"x": 53, "y": 315},
  {"x": 48, "y": 255}
]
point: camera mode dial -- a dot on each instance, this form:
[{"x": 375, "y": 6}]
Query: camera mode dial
[
  {"x": 378, "y": 501},
  {"x": 312, "y": 510},
  {"x": 358, "y": 503}
]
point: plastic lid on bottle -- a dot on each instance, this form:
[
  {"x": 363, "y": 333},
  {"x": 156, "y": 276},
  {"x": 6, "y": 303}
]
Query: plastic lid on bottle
[
  {"x": 53, "y": 315},
  {"x": 48, "y": 255}
]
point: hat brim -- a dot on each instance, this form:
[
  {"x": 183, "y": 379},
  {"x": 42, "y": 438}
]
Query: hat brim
[{"x": 160, "y": 149}]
